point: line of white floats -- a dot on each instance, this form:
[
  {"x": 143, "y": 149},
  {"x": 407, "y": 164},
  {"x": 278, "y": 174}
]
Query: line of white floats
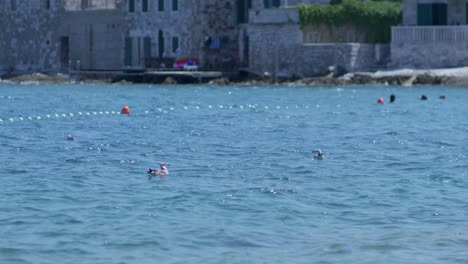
[{"x": 161, "y": 110}]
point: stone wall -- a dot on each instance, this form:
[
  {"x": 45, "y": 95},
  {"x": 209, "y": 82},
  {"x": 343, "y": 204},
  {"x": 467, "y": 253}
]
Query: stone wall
[
  {"x": 95, "y": 39},
  {"x": 279, "y": 49},
  {"x": 28, "y": 41},
  {"x": 333, "y": 34},
  {"x": 429, "y": 55},
  {"x": 171, "y": 24},
  {"x": 219, "y": 22}
]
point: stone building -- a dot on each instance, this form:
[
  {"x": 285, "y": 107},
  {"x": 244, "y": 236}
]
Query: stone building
[
  {"x": 28, "y": 41},
  {"x": 256, "y": 35},
  {"x": 274, "y": 42},
  {"x": 54, "y": 35},
  {"x": 434, "y": 33}
]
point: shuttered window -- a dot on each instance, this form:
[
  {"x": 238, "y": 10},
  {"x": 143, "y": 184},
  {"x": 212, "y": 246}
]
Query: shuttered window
[
  {"x": 175, "y": 5},
  {"x": 144, "y": 6},
  {"x": 13, "y": 5},
  {"x": 175, "y": 44},
  {"x": 131, "y": 6},
  {"x": 128, "y": 52},
  {"x": 161, "y": 5},
  {"x": 433, "y": 14},
  {"x": 147, "y": 48}
]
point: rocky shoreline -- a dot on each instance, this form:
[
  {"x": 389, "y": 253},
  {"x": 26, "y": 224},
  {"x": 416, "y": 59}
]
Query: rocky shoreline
[{"x": 403, "y": 77}]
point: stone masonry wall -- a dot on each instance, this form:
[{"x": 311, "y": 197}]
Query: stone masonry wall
[
  {"x": 429, "y": 55},
  {"x": 219, "y": 22},
  {"x": 28, "y": 41},
  {"x": 95, "y": 39},
  {"x": 331, "y": 34},
  {"x": 180, "y": 24},
  {"x": 278, "y": 48}
]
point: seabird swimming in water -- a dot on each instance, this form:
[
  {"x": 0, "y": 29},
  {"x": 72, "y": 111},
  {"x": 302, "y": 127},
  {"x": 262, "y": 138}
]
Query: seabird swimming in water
[
  {"x": 162, "y": 171},
  {"x": 318, "y": 154}
]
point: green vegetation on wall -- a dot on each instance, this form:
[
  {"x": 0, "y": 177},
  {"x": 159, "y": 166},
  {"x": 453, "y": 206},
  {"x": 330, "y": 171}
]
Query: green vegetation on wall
[{"x": 376, "y": 17}]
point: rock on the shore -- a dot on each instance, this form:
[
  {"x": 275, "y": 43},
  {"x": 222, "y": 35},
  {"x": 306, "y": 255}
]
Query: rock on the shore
[
  {"x": 220, "y": 81},
  {"x": 169, "y": 80},
  {"x": 39, "y": 77}
]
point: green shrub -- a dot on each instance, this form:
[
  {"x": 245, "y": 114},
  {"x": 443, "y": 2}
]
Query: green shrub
[{"x": 376, "y": 17}]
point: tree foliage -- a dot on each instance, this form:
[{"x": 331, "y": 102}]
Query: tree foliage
[{"x": 376, "y": 17}]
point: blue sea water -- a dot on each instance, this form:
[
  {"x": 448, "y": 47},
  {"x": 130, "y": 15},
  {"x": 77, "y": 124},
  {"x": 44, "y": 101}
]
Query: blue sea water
[{"x": 243, "y": 184}]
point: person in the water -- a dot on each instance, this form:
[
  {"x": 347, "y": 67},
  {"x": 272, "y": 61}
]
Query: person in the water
[
  {"x": 318, "y": 154},
  {"x": 423, "y": 97},
  {"x": 70, "y": 137},
  {"x": 392, "y": 98},
  {"x": 162, "y": 171}
]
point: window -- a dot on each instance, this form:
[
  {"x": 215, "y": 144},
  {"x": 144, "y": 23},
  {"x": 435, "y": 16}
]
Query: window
[
  {"x": 13, "y": 5},
  {"x": 144, "y": 6},
  {"x": 175, "y": 44},
  {"x": 432, "y": 14},
  {"x": 160, "y": 5},
  {"x": 131, "y": 6},
  {"x": 266, "y": 3},
  {"x": 128, "y": 52},
  {"x": 175, "y": 5},
  {"x": 147, "y": 49},
  {"x": 47, "y": 4},
  {"x": 276, "y": 3},
  {"x": 161, "y": 44}
]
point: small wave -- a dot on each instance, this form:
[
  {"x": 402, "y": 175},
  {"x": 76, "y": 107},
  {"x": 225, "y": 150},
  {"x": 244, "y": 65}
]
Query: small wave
[
  {"x": 381, "y": 247},
  {"x": 17, "y": 171}
]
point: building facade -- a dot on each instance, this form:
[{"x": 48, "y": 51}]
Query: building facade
[
  {"x": 275, "y": 43},
  {"x": 28, "y": 40},
  {"x": 55, "y": 35},
  {"x": 434, "y": 33},
  {"x": 105, "y": 35}
]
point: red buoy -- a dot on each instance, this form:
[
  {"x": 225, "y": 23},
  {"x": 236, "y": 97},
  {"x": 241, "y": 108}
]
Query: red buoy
[
  {"x": 125, "y": 110},
  {"x": 380, "y": 100}
]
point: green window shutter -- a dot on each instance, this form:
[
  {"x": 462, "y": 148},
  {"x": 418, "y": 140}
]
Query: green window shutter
[
  {"x": 241, "y": 12},
  {"x": 147, "y": 47},
  {"x": 131, "y": 6},
  {"x": 144, "y": 6},
  {"x": 175, "y": 44},
  {"x": 160, "y": 5},
  {"x": 466, "y": 13},
  {"x": 439, "y": 14},
  {"x": 161, "y": 44},
  {"x": 128, "y": 52},
  {"x": 175, "y": 5},
  {"x": 424, "y": 14}
]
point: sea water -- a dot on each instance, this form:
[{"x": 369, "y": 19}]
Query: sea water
[{"x": 243, "y": 184}]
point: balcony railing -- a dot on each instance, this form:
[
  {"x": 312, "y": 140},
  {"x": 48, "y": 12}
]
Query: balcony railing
[
  {"x": 80, "y": 5},
  {"x": 406, "y": 34}
]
